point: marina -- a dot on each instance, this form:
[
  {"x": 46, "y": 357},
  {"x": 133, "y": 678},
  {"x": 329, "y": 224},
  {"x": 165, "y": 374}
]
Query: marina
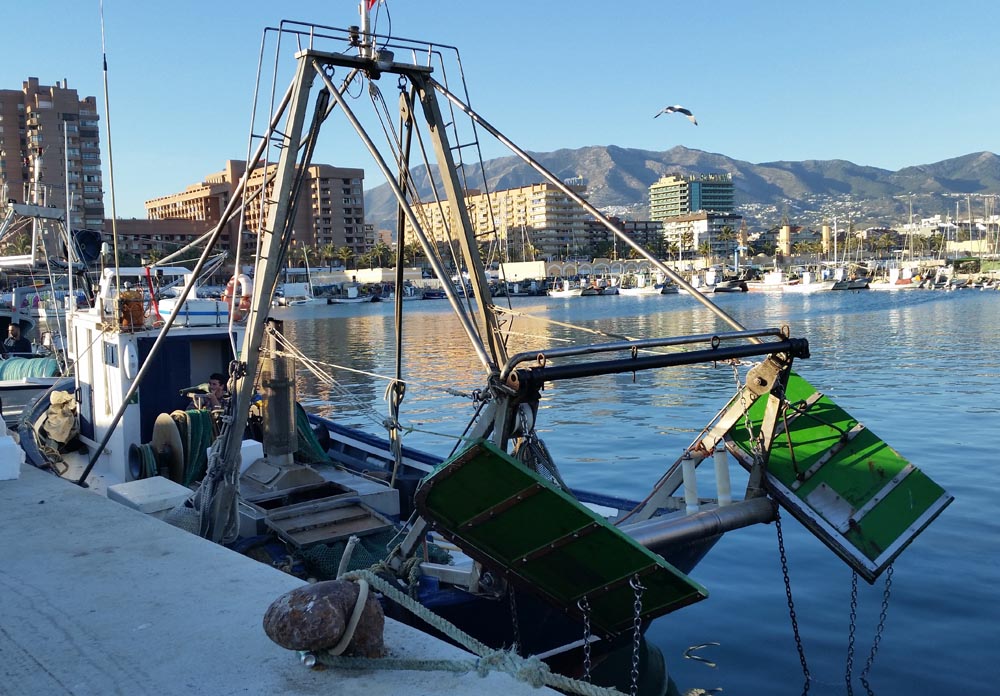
[{"x": 539, "y": 479}]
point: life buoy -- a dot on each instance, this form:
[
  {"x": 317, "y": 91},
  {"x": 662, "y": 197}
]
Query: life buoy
[{"x": 240, "y": 308}]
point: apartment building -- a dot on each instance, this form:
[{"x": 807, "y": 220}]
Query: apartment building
[
  {"x": 646, "y": 233},
  {"x": 688, "y": 233},
  {"x": 554, "y": 225},
  {"x": 331, "y": 210},
  {"x": 147, "y": 241},
  {"x": 51, "y": 136},
  {"x": 675, "y": 195}
]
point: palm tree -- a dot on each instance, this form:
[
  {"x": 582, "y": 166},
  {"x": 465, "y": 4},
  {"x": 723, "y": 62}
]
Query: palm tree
[
  {"x": 380, "y": 254},
  {"x": 687, "y": 242},
  {"x": 297, "y": 255},
  {"x": 727, "y": 235},
  {"x": 327, "y": 252},
  {"x": 345, "y": 254},
  {"x": 884, "y": 243},
  {"x": 411, "y": 252},
  {"x": 152, "y": 256},
  {"x": 705, "y": 249}
]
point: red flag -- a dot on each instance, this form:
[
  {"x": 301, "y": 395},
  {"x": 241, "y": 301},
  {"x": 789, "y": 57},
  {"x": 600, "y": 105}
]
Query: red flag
[{"x": 372, "y": 3}]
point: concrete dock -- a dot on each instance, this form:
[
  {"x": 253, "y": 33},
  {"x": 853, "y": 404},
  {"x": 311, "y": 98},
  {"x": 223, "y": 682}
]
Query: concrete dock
[{"x": 97, "y": 598}]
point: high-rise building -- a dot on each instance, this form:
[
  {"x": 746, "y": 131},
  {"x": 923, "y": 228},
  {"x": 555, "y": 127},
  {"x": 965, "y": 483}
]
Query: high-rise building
[
  {"x": 696, "y": 211},
  {"x": 331, "y": 209},
  {"x": 538, "y": 217},
  {"x": 681, "y": 195},
  {"x": 46, "y": 133}
]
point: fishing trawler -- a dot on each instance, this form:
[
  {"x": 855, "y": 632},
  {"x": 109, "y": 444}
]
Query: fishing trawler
[
  {"x": 42, "y": 281},
  {"x": 566, "y": 575}
]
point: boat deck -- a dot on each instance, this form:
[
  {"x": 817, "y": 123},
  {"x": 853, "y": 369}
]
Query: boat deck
[{"x": 101, "y": 599}]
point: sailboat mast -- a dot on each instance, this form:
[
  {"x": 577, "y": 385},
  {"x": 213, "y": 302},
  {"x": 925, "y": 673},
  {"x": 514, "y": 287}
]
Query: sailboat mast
[
  {"x": 968, "y": 203},
  {"x": 70, "y": 256},
  {"x": 909, "y": 233},
  {"x": 836, "y": 233}
]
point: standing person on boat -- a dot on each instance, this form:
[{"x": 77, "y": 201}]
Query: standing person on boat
[{"x": 16, "y": 345}]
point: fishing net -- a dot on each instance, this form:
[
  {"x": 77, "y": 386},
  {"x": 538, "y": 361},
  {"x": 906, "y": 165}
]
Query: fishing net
[
  {"x": 309, "y": 451},
  {"x": 532, "y": 452},
  {"x": 323, "y": 560},
  {"x": 23, "y": 368}
]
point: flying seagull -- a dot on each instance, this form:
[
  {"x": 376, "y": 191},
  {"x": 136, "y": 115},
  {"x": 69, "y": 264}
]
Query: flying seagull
[{"x": 679, "y": 110}]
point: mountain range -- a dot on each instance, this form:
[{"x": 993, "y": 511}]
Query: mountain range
[{"x": 807, "y": 193}]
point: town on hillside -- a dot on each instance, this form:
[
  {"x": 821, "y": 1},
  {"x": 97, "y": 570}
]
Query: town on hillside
[{"x": 693, "y": 222}]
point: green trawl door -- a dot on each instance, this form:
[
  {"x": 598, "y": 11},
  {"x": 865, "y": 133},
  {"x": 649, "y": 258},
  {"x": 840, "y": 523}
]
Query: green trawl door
[
  {"x": 542, "y": 540},
  {"x": 853, "y": 491}
]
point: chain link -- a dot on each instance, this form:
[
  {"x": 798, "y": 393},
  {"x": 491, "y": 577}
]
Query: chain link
[
  {"x": 791, "y": 604},
  {"x": 753, "y": 440},
  {"x": 584, "y": 606},
  {"x": 879, "y": 629},
  {"x": 850, "y": 636},
  {"x": 638, "y": 587}
]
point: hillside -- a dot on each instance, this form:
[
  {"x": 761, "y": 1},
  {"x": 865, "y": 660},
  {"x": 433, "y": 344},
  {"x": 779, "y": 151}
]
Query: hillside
[{"x": 808, "y": 193}]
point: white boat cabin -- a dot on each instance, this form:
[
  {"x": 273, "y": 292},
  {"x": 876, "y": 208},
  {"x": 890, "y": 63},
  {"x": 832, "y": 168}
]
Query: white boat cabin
[{"x": 114, "y": 338}]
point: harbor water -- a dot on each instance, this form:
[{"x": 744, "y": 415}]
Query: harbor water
[{"x": 919, "y": 368}]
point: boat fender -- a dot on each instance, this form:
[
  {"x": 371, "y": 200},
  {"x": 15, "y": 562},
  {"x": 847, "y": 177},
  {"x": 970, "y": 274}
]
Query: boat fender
[
  {"x": 240, "y": 309},
  {"x": 131, "y": 361}
]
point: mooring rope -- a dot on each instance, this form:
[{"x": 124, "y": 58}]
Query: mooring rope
[{"x": 531, "y": 669}]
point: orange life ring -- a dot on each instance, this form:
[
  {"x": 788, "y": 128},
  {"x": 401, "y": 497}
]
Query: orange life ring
[{"x": 239, "y": 309}]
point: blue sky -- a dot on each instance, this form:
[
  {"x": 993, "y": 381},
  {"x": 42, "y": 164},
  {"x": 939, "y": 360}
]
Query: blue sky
[{"x": 883, "y": 83}]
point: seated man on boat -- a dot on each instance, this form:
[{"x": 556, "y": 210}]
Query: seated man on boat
[
  {"x": 210, "y": 396},
  {"x": 16, "y": 345}
]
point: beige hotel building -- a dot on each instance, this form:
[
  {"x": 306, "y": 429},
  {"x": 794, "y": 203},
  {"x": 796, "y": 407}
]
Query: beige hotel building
[
  {"x": 555, "y": 225},
  {"x": 331, "y": 210}
]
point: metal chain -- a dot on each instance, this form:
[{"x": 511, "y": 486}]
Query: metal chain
[
  {"x": 513, "y": 619},
  {"x": 753, "y": 440},
  {"x": 638, "y": 587},
  {"x": 850, "y": 636},
  {"x": 791, "y": 603},
  {"x": 584, "y": 606},
  {"x": 879, "y": 629}
]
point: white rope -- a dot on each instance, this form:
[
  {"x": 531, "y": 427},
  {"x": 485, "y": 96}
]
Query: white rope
[
  {"x": 531, "y": 669},
  {"x": 348, "y": 552},
  {"x": 352, "y": 625}
]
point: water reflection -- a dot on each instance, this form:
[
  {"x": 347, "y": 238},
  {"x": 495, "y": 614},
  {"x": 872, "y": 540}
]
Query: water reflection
[{"x": 918, "y": 368}]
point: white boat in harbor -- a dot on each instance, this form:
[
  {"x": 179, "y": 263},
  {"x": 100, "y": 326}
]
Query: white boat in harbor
[
  {"x": 565, "y": 288},
  {"x": 296, "y": 295},
  {"x": 639, "y": 284},
  {"x": 773, "y": 281},
  {"x": 896, "y": 278},
  {"x": 808, "y": 283},
  {"x": 36, "y": 311},
  {"x": 350, "y": 293}
]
